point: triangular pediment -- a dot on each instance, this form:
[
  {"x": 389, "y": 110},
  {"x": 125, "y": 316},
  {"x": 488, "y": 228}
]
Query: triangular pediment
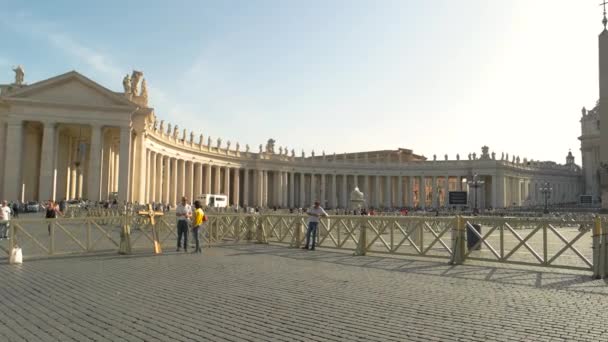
[{"x": 71, "y": 88}]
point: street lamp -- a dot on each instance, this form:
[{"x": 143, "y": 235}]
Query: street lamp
[
  {"x": 546, "y": 190},
  {"x": 475, "y": 183}
]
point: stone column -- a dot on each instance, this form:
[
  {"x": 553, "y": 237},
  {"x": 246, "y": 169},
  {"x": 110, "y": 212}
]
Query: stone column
[
  {"x": 377, "y": 191},
  {"x": 12, "y": 161},
  {"x": 216, "y": 179},
  {"x": 292, "y": 179},
  {"x": 286, "y": 189},
  {"x": 123, "y": 176},
  {"x": 387, "y": 193},
  {"x": 313, "y": 190},
  {"x": 47, "y": 180},
  {"x": 246, "y": 201},
  {"x": 344, "y": 189},
  {"x": 410, "y": 191},
  {"x": 334, "y": 192},
  {"x": 302, "y": 190},
  {"x": 422, "y": 191},
  {"x": 139, "y": 176},
  {"x": 173, "y": 182},
  {"x": 197, "y": 180},
  {"x": 459, "y": 183},
  {"x": 74, "y": 171},
  {"x": 116, "y": 170},
  {"x": 158, "y": 178},
  {"x": 265, "y": 188},
  {"x": 256, "y": 188},
  {"x": 68, "y": 168},
  {"x": 153, "y": 185},
  {"x": 181, "y": 177},
  {"x": 166, "y": 199},
  {"x": 236, "y": 187},
  {"x": 434, "y": 197},
  {"x": 322, "y": 198},
  {"x": 400, "y": 190},
  {"x": 188, "y": 180},
  {"x": 207, "y": 184},
  {"x": 147, "y": 179},
  {"x": 227, "y": 181}
]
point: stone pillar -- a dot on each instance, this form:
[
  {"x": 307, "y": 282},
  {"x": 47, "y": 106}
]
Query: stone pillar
[
  {"x": 236, "y": 187},
  {"x": 459, "y": 183},
  {"x": 255, "y": 180},
  {"x": 153, "y": 184},
  {"x": 388, "y": 191},
  {"x": 174, "y": 173},
  {"x": 68, "y": 168},
  {"x": 181, "y": 177},
  {"x": 435, "y": 196},
  {"x": 334, "y": 192},
  {"x": 292, "y": 180},
  {"x": 302, "y": 190},
  {"x": 344, "y": 191},
  {"x": 322, "y": 198},
  {"x": 207, "y": 182},
  {"x": 410, "y": 191},
  {"x": 246, "y": 201},
  {"x": 166, "y": 199},
  {"x": 189, "y": 180},
  {"x": 12, "y": 161},
  {"x": 400, "y": 190},
  {"x": 74, "y": 170},
  {"x": 147, "y": 185},
  {"x": 47, "y": 162},
  {"x": 216, "y": 179},
  {"x": 139, "y": 176},
  {"x": 116, "y": 170},
  {"x": 158, "y": 178},
  {"x": 377, "y": 192},
  {"x": 422, "y": 192},
  {"x": 197, "y": 180},
  {"x": 265, "y": 188},
  {"x": 313, "y": 190},
  {"x": 226, "y": 181},
  {"x": 123, "y": 173}
]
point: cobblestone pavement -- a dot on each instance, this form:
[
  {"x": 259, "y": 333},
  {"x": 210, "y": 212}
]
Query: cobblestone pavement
[{"x": 273, "y": 293}]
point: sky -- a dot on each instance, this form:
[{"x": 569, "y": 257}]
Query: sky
[{"x": 438, "y": 77}]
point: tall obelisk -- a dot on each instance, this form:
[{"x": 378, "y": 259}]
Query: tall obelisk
[{"x": 603, "y": 110}]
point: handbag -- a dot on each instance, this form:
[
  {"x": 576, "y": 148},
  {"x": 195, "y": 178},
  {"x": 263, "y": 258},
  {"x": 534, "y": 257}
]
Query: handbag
[{"x": 16, "y": 256}]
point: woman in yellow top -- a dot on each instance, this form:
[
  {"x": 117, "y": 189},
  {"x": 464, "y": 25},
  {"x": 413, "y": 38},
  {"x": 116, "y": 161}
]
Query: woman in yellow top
[{"x": 197, "y": 223}]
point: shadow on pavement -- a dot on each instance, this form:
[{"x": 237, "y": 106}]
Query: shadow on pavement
[{"x": 501, "y": 274}]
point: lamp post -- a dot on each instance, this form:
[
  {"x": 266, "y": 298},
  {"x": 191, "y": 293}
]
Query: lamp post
[
  {"x": 475, "y": 183},
  {"x": 546, "y": 190}
]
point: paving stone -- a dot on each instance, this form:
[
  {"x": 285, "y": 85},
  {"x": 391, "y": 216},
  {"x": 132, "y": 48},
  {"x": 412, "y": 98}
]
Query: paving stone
[{"x": 271, "y": 293}]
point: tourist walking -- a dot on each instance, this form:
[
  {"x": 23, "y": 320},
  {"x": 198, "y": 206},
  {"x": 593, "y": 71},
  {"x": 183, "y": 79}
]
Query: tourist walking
[
  {"x": 183, "y": 211},
  {"x": 313, "y": 222},
  {"x": 5, "y": 217},
  {"x": 197, "y": 224},
  {"x": 15, "y": 209},
  {"x": 52, "y": 211}
]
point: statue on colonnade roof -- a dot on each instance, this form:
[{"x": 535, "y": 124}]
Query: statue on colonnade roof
[
  {"x": 135, "y": 78},
  {"x": 126, "y": 84},
  {"x": 19, "y": 75},
  {"x": 270, "y": 146}
]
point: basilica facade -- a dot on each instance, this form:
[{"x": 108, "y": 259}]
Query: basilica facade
[{"x": 69, "y": 137}]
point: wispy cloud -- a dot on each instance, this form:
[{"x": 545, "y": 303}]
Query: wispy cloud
[{"x": 95, "y": 59}]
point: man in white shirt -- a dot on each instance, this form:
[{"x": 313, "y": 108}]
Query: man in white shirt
[
  {"x": 5, "y": 217},
  {"x": 183, "y": 213},
  {"x": 313, "y": 222}
]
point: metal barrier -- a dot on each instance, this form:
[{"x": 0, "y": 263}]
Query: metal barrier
[{"x": 575, "y": 244}]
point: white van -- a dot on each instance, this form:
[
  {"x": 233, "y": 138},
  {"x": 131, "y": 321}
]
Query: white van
[{"x": 213, "y": 201}]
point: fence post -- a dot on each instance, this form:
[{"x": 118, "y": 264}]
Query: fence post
[
  {"x": 458, "y": 242},
  {"x": 296, "y": 241},
  {"x": 125, "y": 237},
  {"x": 598, "y": 250},
  {"x": 260, "y": 232},
  {"x": 362, "y": 245},
  {"x": 250, "y": 228}
]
